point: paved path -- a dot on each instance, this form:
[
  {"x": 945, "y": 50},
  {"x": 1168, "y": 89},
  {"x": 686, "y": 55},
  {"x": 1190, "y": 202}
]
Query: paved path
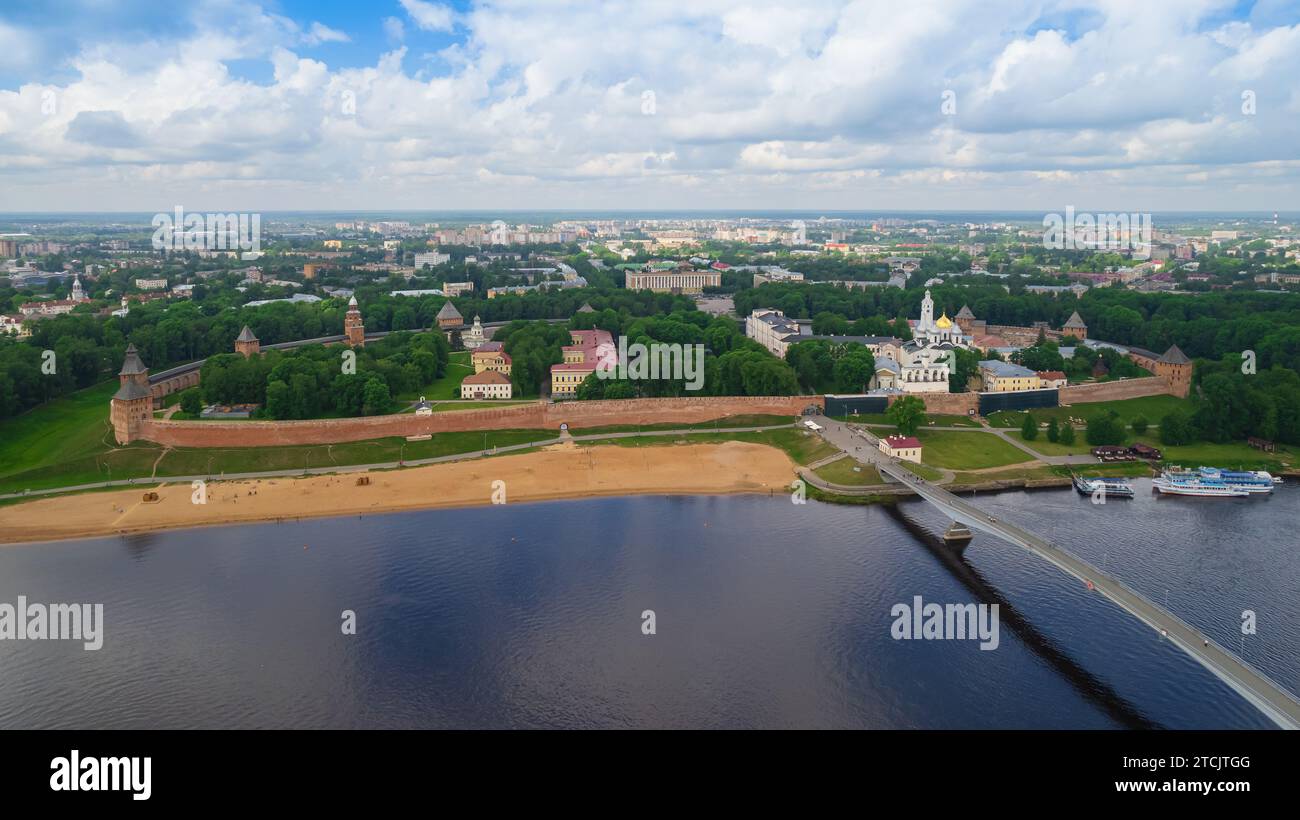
[{"x": 1278, "y": 704}]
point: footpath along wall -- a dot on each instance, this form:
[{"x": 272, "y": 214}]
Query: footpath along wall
[{"x": 538, "y": 415}]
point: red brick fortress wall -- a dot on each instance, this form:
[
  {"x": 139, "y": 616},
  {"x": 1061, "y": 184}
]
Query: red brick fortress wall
[
  {"x": 1113, "y": 391},
  {"x": 539, "y": 415}
]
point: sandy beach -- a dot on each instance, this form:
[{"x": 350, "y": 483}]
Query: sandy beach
[{"x": 562, "y": 471}]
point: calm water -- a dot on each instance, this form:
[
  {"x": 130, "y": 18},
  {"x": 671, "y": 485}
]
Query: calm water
[{"x": 768, "y": 615}]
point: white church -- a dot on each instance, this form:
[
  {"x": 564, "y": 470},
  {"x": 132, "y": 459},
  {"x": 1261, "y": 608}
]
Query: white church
[{"x": 923, "y": 363}]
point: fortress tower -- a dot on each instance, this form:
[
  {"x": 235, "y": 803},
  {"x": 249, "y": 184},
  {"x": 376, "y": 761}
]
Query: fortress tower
[
  {"x": 1176, "y": 369},
  {"x": 352, "y": 326},
  {"x": 1074, "y": 326},
  {"x": 247, "y": 344},
  {"x": 132, "y": 404}
]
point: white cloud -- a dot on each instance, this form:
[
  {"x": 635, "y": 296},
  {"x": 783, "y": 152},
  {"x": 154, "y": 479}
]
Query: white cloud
[
  {"x": 539, "y": 104},
  {"x": 320, "y": 33},
  {"x": 430, "y": 16},
  {"x": 394, "y": 30}
]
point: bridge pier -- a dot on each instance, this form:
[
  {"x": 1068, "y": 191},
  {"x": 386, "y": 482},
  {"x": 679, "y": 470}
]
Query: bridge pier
[{"x": 958, "y": 535}]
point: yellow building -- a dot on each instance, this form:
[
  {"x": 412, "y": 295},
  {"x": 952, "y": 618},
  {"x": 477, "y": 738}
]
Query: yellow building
[
  {"x": 490, "y": 356},
  {"x": 580, "y": 359},
  {"x": 1005, "y": 377}
]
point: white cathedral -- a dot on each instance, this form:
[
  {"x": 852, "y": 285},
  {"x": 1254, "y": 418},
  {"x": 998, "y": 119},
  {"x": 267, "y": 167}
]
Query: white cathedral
[{"x": 922, "y": 364}]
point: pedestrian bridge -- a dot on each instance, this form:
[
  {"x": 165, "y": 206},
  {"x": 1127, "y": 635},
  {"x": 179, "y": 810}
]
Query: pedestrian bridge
[{"x": 1276, "y": 702}]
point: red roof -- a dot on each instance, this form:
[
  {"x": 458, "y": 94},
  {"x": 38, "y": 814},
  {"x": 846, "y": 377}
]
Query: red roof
[
  {"x": 1051, "y": 375},
  {"x": 902, "y": 442}
]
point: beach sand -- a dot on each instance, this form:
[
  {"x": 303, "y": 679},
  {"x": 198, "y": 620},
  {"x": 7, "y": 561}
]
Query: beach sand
[{"x": 561, "y": 471}]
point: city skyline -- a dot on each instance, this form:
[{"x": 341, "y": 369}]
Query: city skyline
[{"x": 719, "y": 106}]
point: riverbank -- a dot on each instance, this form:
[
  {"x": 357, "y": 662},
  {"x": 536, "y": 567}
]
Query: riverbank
[{"x": 557, "y": 472}]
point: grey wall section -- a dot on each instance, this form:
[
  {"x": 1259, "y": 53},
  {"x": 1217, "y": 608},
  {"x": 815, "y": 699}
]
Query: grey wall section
[
  {"x": 847, "y": 405},
  {"x": 1019, "y": 400}
]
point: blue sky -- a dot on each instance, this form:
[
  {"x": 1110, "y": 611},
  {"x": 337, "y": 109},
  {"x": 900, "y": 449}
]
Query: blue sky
[{"x": 999, "y": 104}]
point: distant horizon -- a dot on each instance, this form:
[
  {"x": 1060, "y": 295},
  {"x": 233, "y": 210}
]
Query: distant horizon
[{"x": 658, "y": 212}]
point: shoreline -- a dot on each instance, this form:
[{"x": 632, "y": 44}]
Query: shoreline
[{"x": 555, "y": 473}]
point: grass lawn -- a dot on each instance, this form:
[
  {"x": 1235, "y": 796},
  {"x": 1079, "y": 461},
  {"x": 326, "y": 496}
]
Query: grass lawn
[
  {"x": 1152, "y": 407},
  {"x": 939, "y": 420},
  {"x": 928, "y": 473},
  {"x": 1048, "y": 448},
  {"x": 1013, "y": 474},
  {"x": 67, "y": 441},
  {"x": 750, "y": 420},
  {"x": 935, "y": 420},
  {"x": 186, "y": 461},
  {"x": 1233, "y": 455},
  {"x": 842, "y": 472},
  {"x": 1125, "y": 469},
  {"x": 967, "y": 451},
  {"x": 447, "y": 387}
]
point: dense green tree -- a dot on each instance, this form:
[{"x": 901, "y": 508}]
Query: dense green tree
[
  {"x": 854, "y": 370},
  {"x": 1067, "y": 434},
  {"x": 906, "y": 413},
  {"x": 1104, "y": 428},
  {"x": 376, "y": 399},
  {"x": 1029, "y": 428},
  {"x": 1176, "y": 428},
  {"x": 191, "y": 401}
]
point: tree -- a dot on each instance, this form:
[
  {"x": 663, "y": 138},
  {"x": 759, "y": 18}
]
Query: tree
[
  {"x": 277, "y": 400},
  {"x": 906, "y": 413},
  {"x": 854, "y": 370},
  {"x": 1053, "y": 430},
  {"x": 966, "y": 365},
  {"x": 1029, "y": 430},
  {"x": 1176, "y": 428},
  {"x": 1104, "y": 429},
  {"x": 1139, "y": 425},
  {"x": 376, "y": 397},
  {"x": 1067, "y": 434},
  {"x": 191, "y": 402}
]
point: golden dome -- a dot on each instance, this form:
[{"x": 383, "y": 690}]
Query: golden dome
[{"x": 944, "y": 321}]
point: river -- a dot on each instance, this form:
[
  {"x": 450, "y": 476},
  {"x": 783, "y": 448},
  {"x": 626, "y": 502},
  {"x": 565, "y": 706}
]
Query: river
[{"x": 766, "y": 614}]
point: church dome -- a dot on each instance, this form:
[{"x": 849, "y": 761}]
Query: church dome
[{"x": 944, "y": 321}]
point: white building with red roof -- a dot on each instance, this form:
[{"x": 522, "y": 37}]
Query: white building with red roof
[
  {"x": 906, "y": 448},
  {"x": 490, "y": 384}
]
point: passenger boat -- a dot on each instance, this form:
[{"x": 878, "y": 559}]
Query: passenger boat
[
  {"x": 1111, "y": 487},
  {"x": 1198, "y": 486},
  {"x": 1252, "y": 481}
]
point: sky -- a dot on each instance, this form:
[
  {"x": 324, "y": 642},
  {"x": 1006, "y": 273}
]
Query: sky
[{"x": 650, "y": 104}]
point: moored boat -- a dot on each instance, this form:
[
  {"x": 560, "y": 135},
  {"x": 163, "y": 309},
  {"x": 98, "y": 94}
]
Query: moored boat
[
  {"x": 1110, "y": 487},
  {"x": 1207, "y": 488},
  {"x": 1251, "y": 482}
]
